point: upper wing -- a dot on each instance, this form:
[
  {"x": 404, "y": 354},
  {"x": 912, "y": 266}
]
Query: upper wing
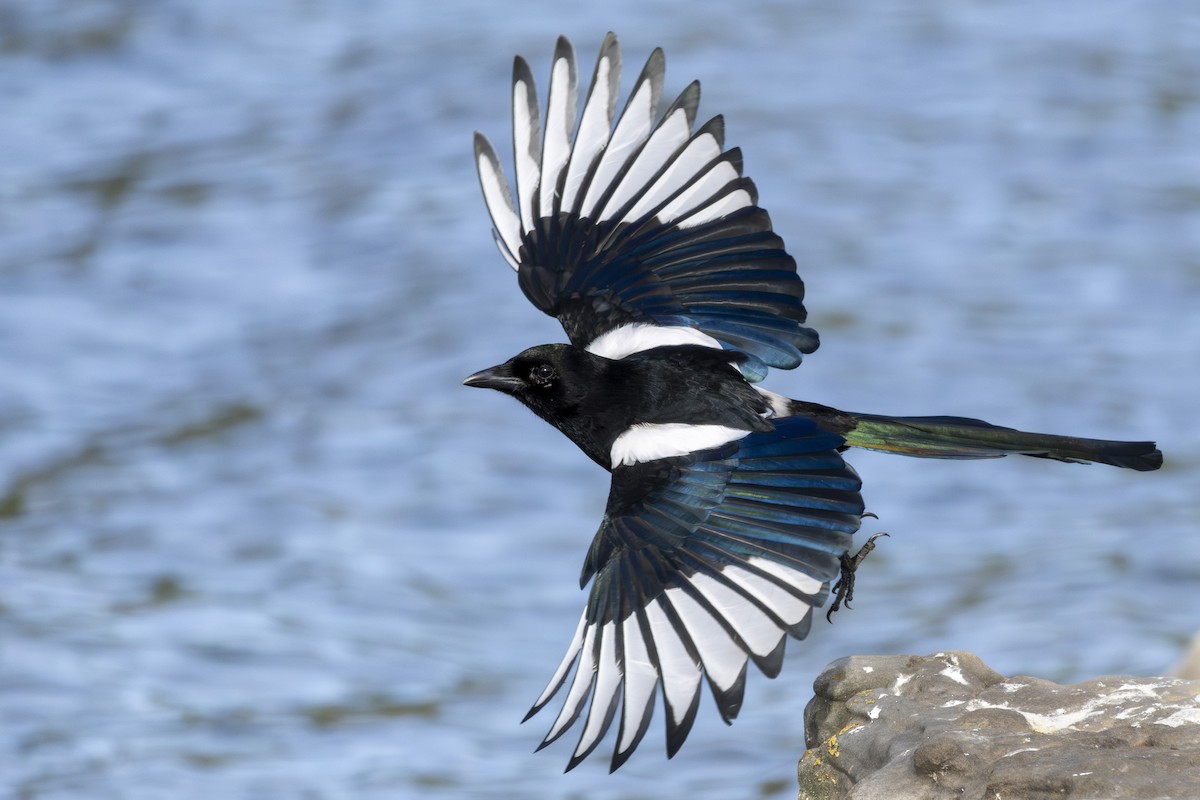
[
  {"x": 649, "y": 221},
  {"x": 702, "y": 562}
]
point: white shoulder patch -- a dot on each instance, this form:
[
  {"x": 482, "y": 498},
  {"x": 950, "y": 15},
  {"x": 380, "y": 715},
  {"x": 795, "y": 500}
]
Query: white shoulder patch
[
  {"x": 638, "y": 336},
  {"x": 651, "y": 441}
]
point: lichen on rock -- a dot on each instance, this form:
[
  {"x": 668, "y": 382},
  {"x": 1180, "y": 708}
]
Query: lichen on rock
[{"x": 948, "y": 726}]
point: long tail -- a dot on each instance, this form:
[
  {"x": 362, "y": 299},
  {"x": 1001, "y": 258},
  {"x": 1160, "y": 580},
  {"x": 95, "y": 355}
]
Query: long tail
[{"x": 962, "y": 437}]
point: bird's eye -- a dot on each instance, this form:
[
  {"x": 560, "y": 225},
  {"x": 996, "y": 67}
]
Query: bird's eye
[{"x": 542, "y": 374}]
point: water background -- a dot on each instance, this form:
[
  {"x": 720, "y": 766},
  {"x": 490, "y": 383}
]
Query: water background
[{"x": 256, "y": 540}]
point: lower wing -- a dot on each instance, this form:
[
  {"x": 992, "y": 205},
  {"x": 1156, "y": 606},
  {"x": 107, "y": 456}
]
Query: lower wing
[{"x": 703, "y": 562}]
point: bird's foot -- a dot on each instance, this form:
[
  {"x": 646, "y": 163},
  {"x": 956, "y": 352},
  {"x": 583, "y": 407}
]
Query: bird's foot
[{"x": 843, "y": 590}]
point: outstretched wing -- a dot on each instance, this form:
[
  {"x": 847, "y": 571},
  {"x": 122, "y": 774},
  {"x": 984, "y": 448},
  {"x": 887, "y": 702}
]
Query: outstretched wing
[
  {"x": 620, "y": 230},
  {"x": 703, "y": 562}
]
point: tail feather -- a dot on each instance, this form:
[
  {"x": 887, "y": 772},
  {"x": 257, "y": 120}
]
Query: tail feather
[{"x": 962, "y": 437}]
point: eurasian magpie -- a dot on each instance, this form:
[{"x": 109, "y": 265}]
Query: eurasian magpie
[{"x": 731, "y": 507}]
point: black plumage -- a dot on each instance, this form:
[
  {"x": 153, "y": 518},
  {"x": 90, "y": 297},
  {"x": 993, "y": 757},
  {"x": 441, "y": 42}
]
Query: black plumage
[{"x": 731, "y": 507}]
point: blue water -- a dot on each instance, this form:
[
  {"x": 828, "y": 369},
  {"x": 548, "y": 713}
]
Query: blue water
[{"x": 256, "y": 540}]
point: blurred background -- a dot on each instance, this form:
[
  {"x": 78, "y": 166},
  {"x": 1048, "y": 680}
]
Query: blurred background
[{"x": 257, "y": 541}]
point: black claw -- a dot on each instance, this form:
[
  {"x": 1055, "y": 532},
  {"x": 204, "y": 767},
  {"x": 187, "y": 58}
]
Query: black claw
[{"x": 843, "y": 590}]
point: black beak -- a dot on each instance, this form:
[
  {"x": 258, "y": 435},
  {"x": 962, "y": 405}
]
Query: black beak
[{"x": 499, "y": 377}]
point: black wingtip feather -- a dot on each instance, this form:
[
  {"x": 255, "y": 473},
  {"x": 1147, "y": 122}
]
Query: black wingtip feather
[
  {"x": 620, "y": 756},
  {"x": 716, "y": 126},
  {"x": 677, "y": 734},
  {"x": 734, "y": 156},
  {"x": 801, "y": 629},
  {"x": 548, "y": 740},
  {"x": 771, "y": 664},
  {"x": 578, "y": 757},
  {"x": 689, "y": 101},
  {"x": 610, "y": 48},
  {"x": 729, "y": 701},
  {"x": 521, "y": 73}
]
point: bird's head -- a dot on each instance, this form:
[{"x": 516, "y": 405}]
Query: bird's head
[{"x": 551, "y": 379}]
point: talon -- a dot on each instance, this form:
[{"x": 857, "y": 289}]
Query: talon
[{"x": 843, "y": 590}]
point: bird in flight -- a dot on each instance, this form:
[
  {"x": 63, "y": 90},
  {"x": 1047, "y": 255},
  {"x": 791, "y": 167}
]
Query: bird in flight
[{"x": 731, "y": 507}]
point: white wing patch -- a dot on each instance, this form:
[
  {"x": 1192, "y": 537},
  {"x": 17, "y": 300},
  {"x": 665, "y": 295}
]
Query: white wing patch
[
  {"x": 709, "y": 626},
  {"x": 721, "y": 207},
  {"x": 793, "y": 577},
  {"x": 786, "y": 605},
  {"x": 669, "y": 137},
  {"x": 608, "y": 173},
  {"x": 702, "y": 187},
  {"x": 683, "y": 168},
  {"x": 632, "y": 130},
  {"x": 650, "y": 441},
  {"x": 723, "y": 660},
  {"x": 757, "y": 630}
]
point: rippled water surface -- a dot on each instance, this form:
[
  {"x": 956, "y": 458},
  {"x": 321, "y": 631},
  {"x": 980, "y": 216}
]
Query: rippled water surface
[{"x": 256, "y": 540}]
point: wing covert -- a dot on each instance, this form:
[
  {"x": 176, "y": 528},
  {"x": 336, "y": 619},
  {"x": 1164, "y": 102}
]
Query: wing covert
[
  {"x": 646, "y": 221},
  {"x": 702, "y": 563}
]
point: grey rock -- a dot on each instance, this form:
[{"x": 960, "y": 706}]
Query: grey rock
[{"x": 948, "y": 726}]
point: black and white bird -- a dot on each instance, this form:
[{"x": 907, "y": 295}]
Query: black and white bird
[{"x": 731, "y": 508}]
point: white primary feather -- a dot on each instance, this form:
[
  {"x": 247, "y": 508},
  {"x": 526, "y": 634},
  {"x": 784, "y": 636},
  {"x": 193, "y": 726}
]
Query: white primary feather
[
  {"x": 668, "y": 138},
  {"x": 634, "y": 126},
  {"x": 641, "y": 678},
  {"x": 680, "y": 673},
  {"x": 560, "y": 118},
  {"x": 585, "y": 673},
  {"x": 564, "y": 666},
  {"x": 715, "y": 178},
  {"x": 723, "y": 660},
  {"x": 758, "y": 631},
  {"x": 786, "y": 605},
  {"x": 608, "y": 679},
  {"x": 717, "y": 209},
  {"x": 793, "y": 577},
  {"x": 595, "y": 126},
  {"x": 506, "y": 225},
  {"x": 698, "y": 153},
  {"x": 526, "y": 141}
]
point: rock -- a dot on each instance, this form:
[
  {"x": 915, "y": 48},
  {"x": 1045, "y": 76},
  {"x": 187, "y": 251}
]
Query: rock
[{"x": 948, "y": 726}]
